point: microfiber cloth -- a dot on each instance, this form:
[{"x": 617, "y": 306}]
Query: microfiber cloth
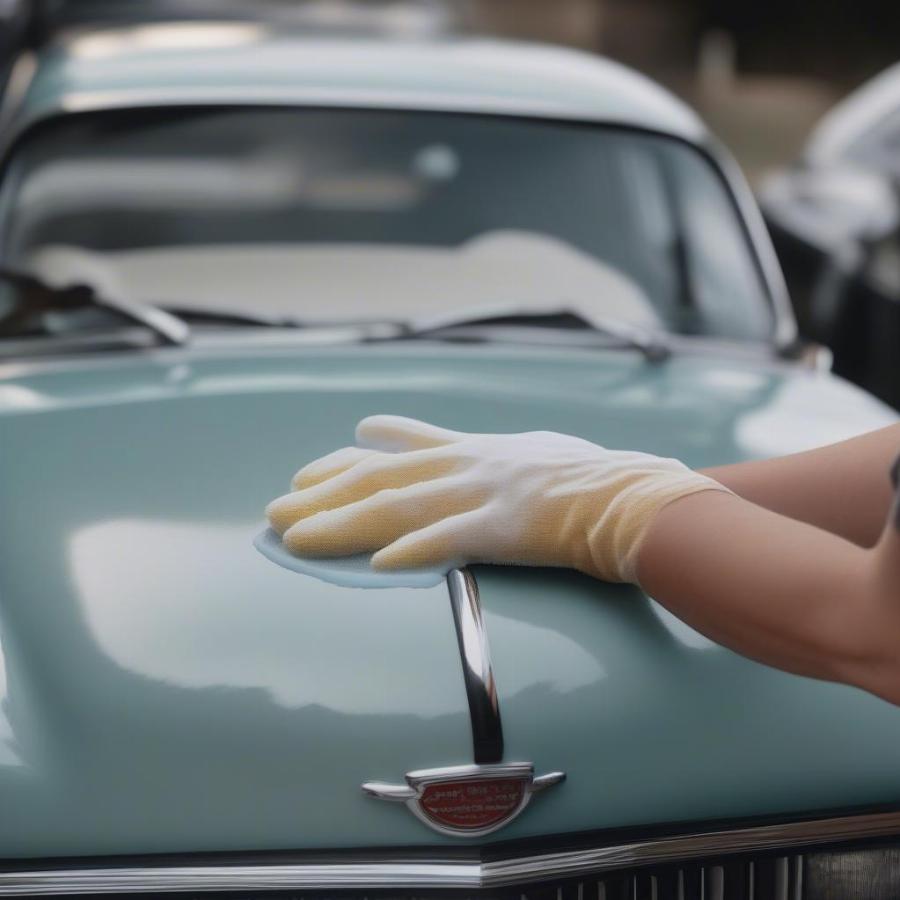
[{"x": 347, "y": 571}]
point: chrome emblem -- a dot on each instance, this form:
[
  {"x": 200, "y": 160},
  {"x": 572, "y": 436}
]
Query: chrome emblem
[{"x": 466, "y": 801}]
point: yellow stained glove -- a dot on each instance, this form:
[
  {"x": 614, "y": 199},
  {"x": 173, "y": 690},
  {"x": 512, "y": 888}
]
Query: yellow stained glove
[{"x": 420, "y": 495}]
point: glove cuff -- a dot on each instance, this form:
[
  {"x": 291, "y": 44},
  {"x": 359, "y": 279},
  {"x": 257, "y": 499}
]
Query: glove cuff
[{"x": 615, "y": 541}]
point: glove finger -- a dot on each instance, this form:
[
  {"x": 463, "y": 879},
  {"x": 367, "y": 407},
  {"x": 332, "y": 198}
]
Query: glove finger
[
  {"x": 328, "y": 466},
  {"x": 379, "y": 520},
  {"x": 443, "y": 543},
  {"x": 376, "y": 473},
  {"x": 400, "y": 433}
]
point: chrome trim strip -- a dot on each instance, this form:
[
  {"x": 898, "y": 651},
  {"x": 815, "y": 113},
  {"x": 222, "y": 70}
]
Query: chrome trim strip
[
  {"x": 236, "y": 878},
  {"x": 446, "y": 874},
  {"x": 475, "y": 654},
  {"x": 757, "y": 233}
]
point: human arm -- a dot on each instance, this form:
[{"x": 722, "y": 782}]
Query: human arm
[
  {"x": 840, "y": 487},
  {"x": 780, "y": 591}
]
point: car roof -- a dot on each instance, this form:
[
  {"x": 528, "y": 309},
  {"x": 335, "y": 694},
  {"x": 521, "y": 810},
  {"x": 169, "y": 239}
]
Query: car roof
[{"x": 229, "y": 62}]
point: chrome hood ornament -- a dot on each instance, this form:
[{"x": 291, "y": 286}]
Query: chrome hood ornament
[
  {"x": 466, "y": 801},
  {"x": 470, "y": 800}
]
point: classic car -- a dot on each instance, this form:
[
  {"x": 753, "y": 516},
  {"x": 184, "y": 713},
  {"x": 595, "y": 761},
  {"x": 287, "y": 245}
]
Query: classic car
[
  {"x": 221, "y": 247},
  {"x": 834, "y": 215}
]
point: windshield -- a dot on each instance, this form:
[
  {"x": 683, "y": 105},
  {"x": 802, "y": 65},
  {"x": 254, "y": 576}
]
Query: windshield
[{"x": 368, "y": 215}]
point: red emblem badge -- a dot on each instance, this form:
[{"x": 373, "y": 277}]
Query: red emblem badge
[{"x": 467, "y": 801}]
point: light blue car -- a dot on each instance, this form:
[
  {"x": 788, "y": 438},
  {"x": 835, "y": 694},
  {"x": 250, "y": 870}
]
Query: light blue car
[{"x": 223, "y": 246}]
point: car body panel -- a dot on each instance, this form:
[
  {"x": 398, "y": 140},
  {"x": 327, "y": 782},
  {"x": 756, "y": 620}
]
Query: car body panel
[{"x": 156, "y": 662}]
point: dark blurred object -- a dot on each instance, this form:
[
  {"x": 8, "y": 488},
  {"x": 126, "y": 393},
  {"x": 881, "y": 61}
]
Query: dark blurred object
[
  {"x": 371, "y": 16},
  {"x": 15, "y": 17},
  {"x": 835, "y": 220},
  {"x": 837, "y": 41}
]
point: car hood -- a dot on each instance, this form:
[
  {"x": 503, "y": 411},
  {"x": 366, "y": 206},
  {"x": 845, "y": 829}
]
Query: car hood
[{"x": 164, "y": 687}]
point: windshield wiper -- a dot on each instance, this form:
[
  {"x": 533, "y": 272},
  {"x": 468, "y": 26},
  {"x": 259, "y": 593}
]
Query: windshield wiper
[
  {"x": 487, "y": 326},
  {"x": 238, "y": 318},
  {"x": 34, "y": 297}
]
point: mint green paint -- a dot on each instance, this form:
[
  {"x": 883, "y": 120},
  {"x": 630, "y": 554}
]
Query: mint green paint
[
  {"x": 348, "y": 571},
  {"x": 166, "y": 688}
]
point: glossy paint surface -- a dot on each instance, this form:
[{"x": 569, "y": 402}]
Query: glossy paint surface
[
  {"x": 347, "y": 571},
  {"x": 250, "y": 64},
  {"x": 164, "y": 687}
]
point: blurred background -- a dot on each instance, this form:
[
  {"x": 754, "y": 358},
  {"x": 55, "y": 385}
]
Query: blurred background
[
  {"x": 761, "y": 72},
  {"x": 803, "y": 94}
]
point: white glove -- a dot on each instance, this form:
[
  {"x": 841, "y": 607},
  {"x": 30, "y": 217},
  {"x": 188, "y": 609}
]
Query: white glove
[{"x": 428, "y": 496}]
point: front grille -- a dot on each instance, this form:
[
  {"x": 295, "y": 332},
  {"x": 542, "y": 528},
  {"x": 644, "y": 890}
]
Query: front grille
[
  {"x": 764, "y": 878},
  {"x": 862, "y": 873}
]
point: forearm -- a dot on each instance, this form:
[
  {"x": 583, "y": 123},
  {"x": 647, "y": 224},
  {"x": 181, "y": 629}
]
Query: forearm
[
  {"x": 779, "y": 591},
  {"x": 841, "y": 488}
]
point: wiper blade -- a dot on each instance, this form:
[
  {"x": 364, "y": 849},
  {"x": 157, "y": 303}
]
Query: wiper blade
[
  {"x": 356, "y": 330},
  {"x": 238, "y": 318},
  {"x": 35, "y": 296},
  {"x": 484, "y": 326}
]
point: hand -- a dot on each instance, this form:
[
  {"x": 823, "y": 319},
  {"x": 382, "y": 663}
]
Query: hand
[{"x": 420, "y": 495}]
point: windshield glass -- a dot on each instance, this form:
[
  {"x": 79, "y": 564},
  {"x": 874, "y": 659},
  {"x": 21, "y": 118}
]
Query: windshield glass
[{"x": 349, "y": 214}]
